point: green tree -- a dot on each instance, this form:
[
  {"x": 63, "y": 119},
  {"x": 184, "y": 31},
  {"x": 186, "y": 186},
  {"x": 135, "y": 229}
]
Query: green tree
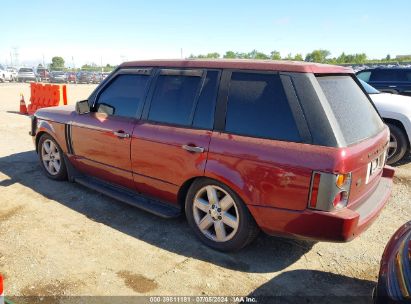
[
  {"x": 289, "y": 57},
  {"x": 209, "y": 55},
  {"x": 342, "y": 58},
  {"x": 275, "y": 55},
  {"x": 298, "y": 57},
  {"x": 229, "y": 55},
  {"x": 57, "y": 62},
  {"x": 388, "y": 57},
  {"x": 318, "y": 56},
  {"x": 254, "y": 54}
]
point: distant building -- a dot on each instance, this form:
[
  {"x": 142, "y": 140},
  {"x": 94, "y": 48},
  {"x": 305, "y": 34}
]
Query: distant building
[{"x": 403, "y": 57}]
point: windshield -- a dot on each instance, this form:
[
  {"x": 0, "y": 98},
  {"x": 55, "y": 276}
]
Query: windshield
[
  {"x": 369, "y": 89},
  {"x": 25, "y": 70}
]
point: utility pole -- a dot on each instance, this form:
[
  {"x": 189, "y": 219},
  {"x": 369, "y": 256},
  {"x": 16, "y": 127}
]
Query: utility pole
[
  {"x": 44, "y": 64},
  {"x": 11, "y": 59},
  {"x": 16, "y": 55},
  {"x": 181, "y": 53}
]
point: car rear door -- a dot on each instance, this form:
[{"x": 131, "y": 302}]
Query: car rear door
[
  {"x": 101, "y": 139},
  {"x": 170, "y": 145}
]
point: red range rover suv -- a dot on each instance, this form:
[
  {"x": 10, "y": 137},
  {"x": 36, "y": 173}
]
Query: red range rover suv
[{"x": 293, "y": 149}]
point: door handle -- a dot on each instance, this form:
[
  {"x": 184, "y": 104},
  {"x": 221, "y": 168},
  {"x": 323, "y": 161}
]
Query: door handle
[
  {"x": 121, "y": 134},
  {"x": 193, "y": 148}
]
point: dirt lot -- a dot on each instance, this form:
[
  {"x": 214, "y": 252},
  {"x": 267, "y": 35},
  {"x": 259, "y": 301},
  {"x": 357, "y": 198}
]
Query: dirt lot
[{"x": 58, "y": 238}]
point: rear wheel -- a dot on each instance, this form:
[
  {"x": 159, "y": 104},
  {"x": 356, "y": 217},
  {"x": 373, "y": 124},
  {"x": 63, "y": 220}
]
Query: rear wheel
[
  {"x": 398, "y": 145},
  {"x": 51, "y": 158},
  {"x": 218, "y": 216}
]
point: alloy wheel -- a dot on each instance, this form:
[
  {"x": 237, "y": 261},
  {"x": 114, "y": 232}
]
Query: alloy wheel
[
  {"x": 215, "y": 213},
  {"x": 51, "y": 157},
  {"x": 392, "y": 146}
]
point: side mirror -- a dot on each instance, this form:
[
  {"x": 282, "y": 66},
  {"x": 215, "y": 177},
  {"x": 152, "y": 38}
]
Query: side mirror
[{"x": 82, "y": 107}]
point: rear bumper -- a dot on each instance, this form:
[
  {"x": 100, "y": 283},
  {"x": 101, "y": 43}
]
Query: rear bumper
[{"x": 337, "y": 226}]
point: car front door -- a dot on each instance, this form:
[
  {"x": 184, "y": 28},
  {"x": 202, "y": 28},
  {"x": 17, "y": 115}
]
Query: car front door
[
  {"x": 101, "y": 139},
  {"x": 170, "y": 145}
]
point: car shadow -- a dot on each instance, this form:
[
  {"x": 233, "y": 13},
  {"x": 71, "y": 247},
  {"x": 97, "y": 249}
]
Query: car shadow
[
  {"x": 312, "y": 286},
  {"x": 266, "y": 254}
]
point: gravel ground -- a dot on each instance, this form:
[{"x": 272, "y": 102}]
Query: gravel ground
[{"x": 58, "y": 238}]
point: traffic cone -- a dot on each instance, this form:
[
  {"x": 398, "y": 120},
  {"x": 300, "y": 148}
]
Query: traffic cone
[
  {"x": 1, "y": 290},
  {"x": 23, "y": 108}
]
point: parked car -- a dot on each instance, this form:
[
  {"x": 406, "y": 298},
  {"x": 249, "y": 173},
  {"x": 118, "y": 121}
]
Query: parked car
[
  {"x": 71, "y": 77},
  {"x": 104, "y": 75},
  {"x": 13, "y": 71},
  {"x": 396, "y": 113},
  {"x": 394, "y": 279},
  {"x": 58, "y": 77},
  {"x": 389, "y": 80},
  {"x": 5, "y": 75},
  {"x": 26, "y": 74},
  {"x": 43, "y": 74},
  {"x": 84, "y": 77},
  {"x": 236, "y": 146},
  {"x": 97, "y": 77}
]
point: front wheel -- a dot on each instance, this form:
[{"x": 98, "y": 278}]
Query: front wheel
[
  {"x": 51, "y": 158},
  {"x": 398, "y": 144},
  {"x": 218, "y": 216}
]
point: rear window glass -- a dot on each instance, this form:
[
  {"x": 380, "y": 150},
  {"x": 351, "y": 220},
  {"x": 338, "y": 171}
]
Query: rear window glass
[
  {"x": 355, "y": 115},
  {"x": 25, "y": 70}
]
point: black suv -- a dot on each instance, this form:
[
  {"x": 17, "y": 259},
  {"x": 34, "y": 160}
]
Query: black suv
[{"x": 390, "y": 80}]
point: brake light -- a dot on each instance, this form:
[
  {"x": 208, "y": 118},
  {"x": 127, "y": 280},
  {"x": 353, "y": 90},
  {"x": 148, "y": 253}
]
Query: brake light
[{"x": 329, "y": 191}]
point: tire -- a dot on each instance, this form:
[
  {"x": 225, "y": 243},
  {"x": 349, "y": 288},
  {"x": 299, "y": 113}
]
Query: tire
[
  {"x": 230, "y": 216},
  {"x": 398, "y": 145},
  {"x": 57, "y": 169}
]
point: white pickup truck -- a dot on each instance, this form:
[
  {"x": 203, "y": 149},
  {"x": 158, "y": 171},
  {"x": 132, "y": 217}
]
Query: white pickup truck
[
  {"x": 395, "y": 110},
  {"x": 5, "y": 75}
]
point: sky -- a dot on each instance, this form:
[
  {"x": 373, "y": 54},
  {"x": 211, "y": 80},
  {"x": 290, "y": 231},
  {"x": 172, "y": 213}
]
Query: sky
[{"x": 114, "y": 31}]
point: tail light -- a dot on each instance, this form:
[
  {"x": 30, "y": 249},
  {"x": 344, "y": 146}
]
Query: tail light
[{"x": 329, "y": 191}]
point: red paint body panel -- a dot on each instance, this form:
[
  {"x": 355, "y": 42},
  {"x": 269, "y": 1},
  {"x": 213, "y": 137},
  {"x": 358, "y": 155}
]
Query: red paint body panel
[
  {"x": 246, "y": 64},
  {"x": 342, "y": 225},
  {"x": 98, "y": 152},
  {"x": 160, "y": 164}
]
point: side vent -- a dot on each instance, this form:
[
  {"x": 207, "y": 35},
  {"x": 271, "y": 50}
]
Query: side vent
[{"x": 69, "y": 143}]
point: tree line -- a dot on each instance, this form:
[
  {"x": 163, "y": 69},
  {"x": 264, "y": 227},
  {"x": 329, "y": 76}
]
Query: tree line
[
  {"x": 320, "y": 56},
  {"x": 58, "y": 64}
]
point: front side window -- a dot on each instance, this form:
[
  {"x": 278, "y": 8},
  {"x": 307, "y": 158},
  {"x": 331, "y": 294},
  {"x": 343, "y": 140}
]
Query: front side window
[
  {"x": 124, "y": 95},
  {"x": 257, "y": 107},
  {"x": 174, "y": 99}
]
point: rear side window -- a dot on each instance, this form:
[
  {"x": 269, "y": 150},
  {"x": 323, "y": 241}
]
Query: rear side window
[
  {"x": 388, "y": 75},
  {"x": 174, "y": 99},
  {"x": 354, "y": 113},
  {"x": 204, "y": 114},
  {"x": 257, "y": 107},
  {"x": 123, "y": 96},
  {"x": 364, "y": 76}
]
